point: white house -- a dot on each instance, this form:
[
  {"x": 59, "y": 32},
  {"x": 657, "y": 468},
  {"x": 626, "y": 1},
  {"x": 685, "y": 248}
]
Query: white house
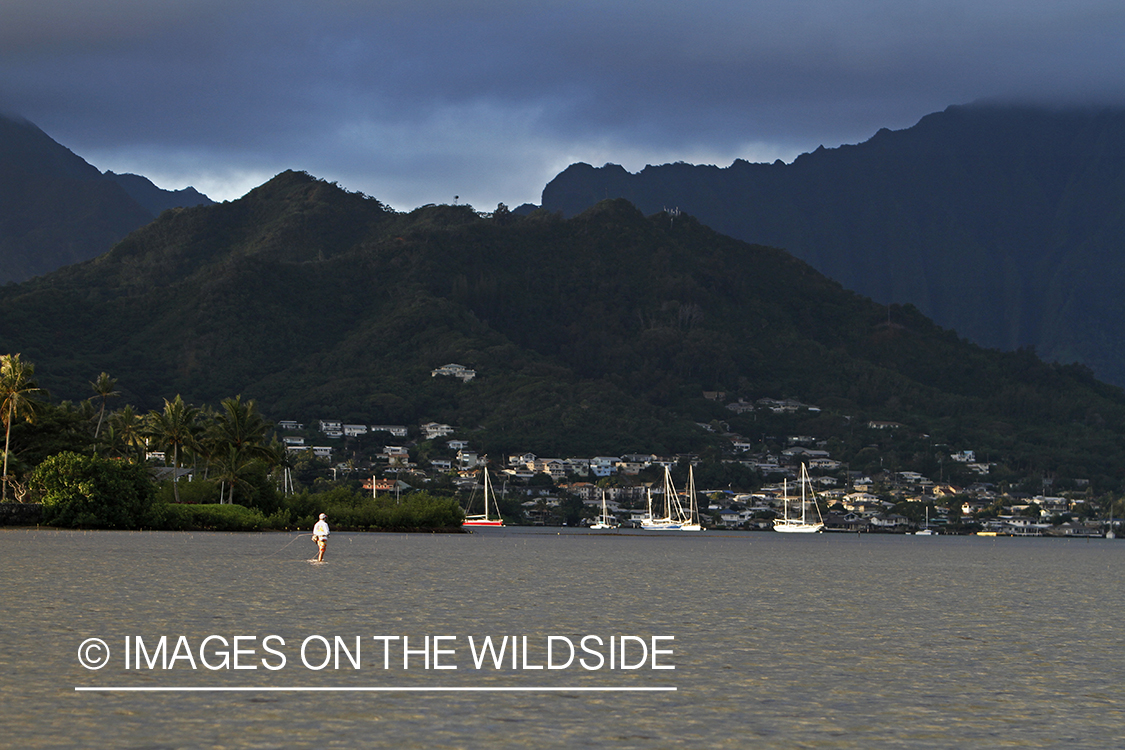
[
  {"x": 603, "y": 466},
  {"x": 631, "y": 468},
  {"x": 432, "y": 430},
  {"x": 577, "y": 466},
  {"x": 553, "y": 466},
  {"x": 455, "y": 371}
]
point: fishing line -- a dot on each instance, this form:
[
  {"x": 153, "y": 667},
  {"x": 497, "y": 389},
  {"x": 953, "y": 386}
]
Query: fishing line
[{"x": 287, "y": 545}]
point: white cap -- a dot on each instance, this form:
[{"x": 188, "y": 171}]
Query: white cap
[{"x": 323, "y": 516}]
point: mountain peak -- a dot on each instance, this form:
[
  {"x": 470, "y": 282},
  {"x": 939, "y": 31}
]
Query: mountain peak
[
  {"x": 58, "y": 209},
  {"x": 1003, "y": 221},
  {"x": 157, "y": 200}
]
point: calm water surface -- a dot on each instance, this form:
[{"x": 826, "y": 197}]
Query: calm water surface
[{"x": 831, "y": 641}]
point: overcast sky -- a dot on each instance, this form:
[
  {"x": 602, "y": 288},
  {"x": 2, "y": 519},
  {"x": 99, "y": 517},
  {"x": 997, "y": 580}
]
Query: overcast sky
[{"x": 418, "y": 101}]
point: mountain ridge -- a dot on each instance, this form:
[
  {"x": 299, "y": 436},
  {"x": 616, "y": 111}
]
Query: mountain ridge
[
  {"x": 590, "y": 335},
  {"x": 57, "y": 209},
  {"x": 998, "y": 221}
]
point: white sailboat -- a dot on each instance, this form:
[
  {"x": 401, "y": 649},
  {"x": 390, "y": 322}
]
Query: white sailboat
[
  {"x": 926, "y": 530},
  {"x": 483, "y": 519},
  {"x": 693, "y": 523},
  {"x": 604, "y": 520},
  {"x": 675, "y": 518},
  {"x": 801, "y": 525}
]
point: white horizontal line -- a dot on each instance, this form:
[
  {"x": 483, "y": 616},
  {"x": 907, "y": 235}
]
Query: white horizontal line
[{"x": 183, "y": 689}]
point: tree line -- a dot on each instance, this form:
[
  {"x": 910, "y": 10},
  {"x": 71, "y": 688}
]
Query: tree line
[
  {"x": 90, "y": 465},
  {"x": 227, "y": 444}
]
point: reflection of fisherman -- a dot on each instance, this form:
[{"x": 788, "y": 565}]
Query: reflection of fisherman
[{"x": 320, "y": 536}]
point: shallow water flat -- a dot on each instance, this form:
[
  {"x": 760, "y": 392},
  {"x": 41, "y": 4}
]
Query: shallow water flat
[{"x": 828, "y": 641}]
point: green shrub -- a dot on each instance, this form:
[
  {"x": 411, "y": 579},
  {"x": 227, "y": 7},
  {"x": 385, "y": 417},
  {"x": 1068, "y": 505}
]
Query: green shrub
[
  {"x": 347, "y": 509},
  {"x": 92, "y": 492},
  {"x": 195, "y": 492},
  {"x": 211, "y": 517}
]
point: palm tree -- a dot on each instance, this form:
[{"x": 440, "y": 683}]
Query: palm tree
[
  {"x": 240, "y": 426},
  {"x": 283, "y": 459},
  {"x": 231, "y": 467},
  {"x": 238, "y": 439},
  {"x": 17, "y": 399},
  {"x": 129, "y": 431},
  {"x": 103, "y": 388},
  {"x": 176, "y": 427}
]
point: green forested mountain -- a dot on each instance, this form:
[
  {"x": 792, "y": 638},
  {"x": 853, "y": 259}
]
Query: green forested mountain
[
  {"x": 55, "y": 209},
  {"x": 1004, "y": 223},
  {"x": 594, "y": 334}
]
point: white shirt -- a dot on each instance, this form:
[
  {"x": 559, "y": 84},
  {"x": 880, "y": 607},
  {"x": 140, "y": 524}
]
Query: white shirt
[{"x": 321, "y": 529}]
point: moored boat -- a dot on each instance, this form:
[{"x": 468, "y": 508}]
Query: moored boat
[
  {"x": 483, "y": 519},
  {"x": 605, "y": 521},
  {"x": 802, "y": 525},
  {"x": 675, "y": 518}
]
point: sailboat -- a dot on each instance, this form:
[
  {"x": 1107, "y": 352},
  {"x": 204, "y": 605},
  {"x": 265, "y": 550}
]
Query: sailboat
[
  {"x": 484, "y": 519},
  {"x": 788, "y": 525},
  {"x": 604, "y": 520},
  {"x": 926, "y": 530},
  {"x": 675, "y": 518}
]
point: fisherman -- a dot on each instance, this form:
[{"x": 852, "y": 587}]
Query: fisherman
[{"x": 320, "y": 536}]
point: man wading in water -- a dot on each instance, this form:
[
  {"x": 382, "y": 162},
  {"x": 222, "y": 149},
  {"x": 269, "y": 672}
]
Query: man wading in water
[{"x": 320, "y": 536}]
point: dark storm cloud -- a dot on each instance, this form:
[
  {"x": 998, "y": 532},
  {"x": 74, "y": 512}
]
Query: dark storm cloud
[{"x": 416, "y": 101}]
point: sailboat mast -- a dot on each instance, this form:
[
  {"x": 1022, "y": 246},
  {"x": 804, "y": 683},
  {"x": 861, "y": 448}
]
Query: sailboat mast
[
  {"x": 667, "y": 493},
  {"x": 487, "y": 487},
  {"x": 804, "y": 483},
  {"x": 693, "y": 508}
]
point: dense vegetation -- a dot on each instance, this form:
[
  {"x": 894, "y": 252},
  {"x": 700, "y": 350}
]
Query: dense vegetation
[
  {"x": 181, "y": 467},
  {"x": 593, "y": 335},
  {"x": 1002, "y": 223}
]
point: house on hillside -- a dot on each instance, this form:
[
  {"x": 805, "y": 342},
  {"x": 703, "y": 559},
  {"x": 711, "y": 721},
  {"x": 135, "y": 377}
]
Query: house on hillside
[
  {"x": 577, "y": 466},
  {"x": 373, "y": 485},
  {"x": 455, "y": 371},
  {"x": 396, "y": 430},
  {"x": 552, "y": 466},
  {"x": 432, "y": 430},
  {"x": 603, "y": 466},
  {"x": 396, "y": 455}
]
